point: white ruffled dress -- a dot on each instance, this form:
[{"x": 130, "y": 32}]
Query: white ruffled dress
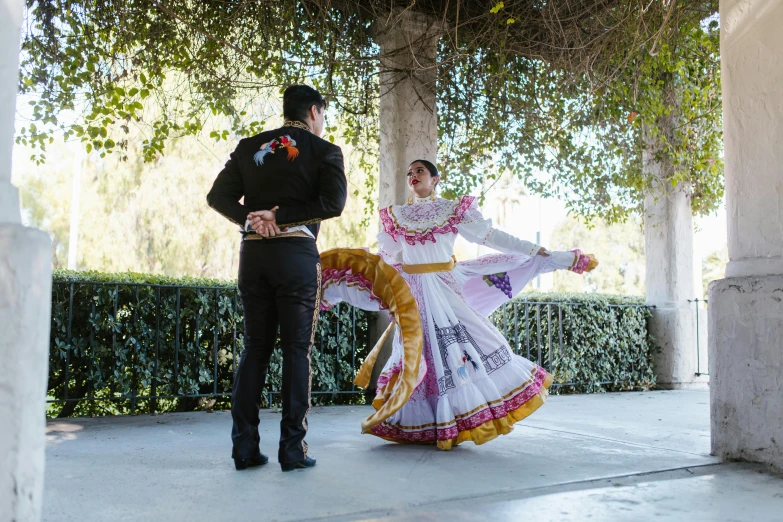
[{"x": 469, "y": 385}]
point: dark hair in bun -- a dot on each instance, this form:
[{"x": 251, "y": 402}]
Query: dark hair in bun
[{"x": 432, "y": 168}]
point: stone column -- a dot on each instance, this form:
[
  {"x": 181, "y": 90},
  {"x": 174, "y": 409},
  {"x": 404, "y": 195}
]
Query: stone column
[
  {"x": 746, "y": 308},
  {"x": 25, "y": 307},
  {"x": 408, "y": 115},
  {"x": 668, "y": 246}
]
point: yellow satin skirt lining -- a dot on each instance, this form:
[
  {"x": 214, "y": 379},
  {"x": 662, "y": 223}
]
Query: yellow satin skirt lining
[{"x": 395, "y": 294}]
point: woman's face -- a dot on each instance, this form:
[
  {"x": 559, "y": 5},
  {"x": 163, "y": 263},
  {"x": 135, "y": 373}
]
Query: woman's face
[{"x": 420, "y": 181}]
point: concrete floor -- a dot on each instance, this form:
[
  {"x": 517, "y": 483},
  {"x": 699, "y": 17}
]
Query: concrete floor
[{"x": 629, "y": 456}]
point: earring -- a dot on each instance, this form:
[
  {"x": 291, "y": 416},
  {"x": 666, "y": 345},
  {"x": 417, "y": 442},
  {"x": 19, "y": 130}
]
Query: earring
[
  {"x": 410, "y": 199},
  {"x": 432, "y": 195}
]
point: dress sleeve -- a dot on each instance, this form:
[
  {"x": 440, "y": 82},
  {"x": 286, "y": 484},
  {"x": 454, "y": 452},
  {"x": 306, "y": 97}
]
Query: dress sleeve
[
  {"x": 476, "y": 229},
  {"x": 388, "y": 248}
]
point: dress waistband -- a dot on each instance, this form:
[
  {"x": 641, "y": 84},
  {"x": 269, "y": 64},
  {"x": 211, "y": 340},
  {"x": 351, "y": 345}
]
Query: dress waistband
[{"x": 426, "y": 268}]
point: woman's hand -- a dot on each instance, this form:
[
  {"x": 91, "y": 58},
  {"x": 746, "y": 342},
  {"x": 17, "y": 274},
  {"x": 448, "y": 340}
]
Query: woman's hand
[{"x": 542, "y": 252}]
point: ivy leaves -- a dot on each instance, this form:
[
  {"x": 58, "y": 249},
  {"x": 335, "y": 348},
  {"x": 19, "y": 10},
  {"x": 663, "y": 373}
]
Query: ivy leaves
[
  {"x": 595, "y": 343},
  {"x": 117, "y": 337},
  {"x": 577, "y": 136},
  {"x": 97, "y": 71},
  {"x": 561, "y": 122}
]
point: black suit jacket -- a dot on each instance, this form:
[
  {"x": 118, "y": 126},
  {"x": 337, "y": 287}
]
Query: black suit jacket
[{"x": 308, "y": 188}]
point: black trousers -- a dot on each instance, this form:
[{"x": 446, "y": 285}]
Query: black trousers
[{"x": 280, "y": 285}]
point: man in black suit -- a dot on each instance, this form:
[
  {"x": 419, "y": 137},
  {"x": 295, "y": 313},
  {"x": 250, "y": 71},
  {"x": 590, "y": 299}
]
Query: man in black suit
[{"x": 290, "y": 179}]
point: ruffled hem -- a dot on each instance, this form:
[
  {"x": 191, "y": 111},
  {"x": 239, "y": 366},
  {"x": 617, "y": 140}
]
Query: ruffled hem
[{"x": 487, "y": 424}]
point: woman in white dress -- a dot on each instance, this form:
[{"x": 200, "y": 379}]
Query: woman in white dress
[{"x": 452, "y": 377}]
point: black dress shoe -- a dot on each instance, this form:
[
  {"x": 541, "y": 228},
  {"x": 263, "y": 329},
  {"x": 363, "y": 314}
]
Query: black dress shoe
[
  {"x": 308, "y": 462},
  {"x": 259, "y": 460}
]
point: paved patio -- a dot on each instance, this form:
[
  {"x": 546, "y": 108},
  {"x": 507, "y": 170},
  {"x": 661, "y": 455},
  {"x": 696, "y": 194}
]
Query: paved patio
[{"x": 628, "y": 456}]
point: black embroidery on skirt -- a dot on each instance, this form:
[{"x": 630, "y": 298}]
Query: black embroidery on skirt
[
  {"x": 459, "y": 334},
  {"x": 445, "y": 336},
  {"x": 496, "y": 359}
]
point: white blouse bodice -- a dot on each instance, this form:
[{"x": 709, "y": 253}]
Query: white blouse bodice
[{"x": 426, "y": 230}]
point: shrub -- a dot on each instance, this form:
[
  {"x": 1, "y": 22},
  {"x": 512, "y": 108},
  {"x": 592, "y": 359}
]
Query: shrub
[
  {"x": 590, "y": 342},
  {"x": 136, "y": 343},
  {"x": 124, "y": 338}
]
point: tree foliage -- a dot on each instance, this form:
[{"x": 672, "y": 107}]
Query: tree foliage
[
  {"x": 578, "y": 136},
  {"x": 619, "y": 248},
  {"x": 546, "y": 90},
  {"x": 101, "y": 70}
]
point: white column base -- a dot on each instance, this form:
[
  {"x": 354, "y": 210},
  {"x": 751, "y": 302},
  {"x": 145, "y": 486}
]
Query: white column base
[
  {"x": 746, "y": 366},
  {"x": 677, "y": 365},
  {"x": 25, "y": 311},
  {"x": 701, "y": 382},
  {"x": 756, "y": 266}
]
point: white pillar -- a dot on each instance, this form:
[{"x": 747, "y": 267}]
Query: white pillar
[
  {"x": 746, "y": 308},
  {"x": 408, "y": 115},
  {"x": 25, "y": 307},
  {"x": 668, "y": 238}
]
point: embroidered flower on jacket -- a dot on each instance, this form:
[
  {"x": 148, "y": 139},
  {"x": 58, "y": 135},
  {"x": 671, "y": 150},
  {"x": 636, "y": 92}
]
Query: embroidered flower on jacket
[{"x": 283, "y": 142}]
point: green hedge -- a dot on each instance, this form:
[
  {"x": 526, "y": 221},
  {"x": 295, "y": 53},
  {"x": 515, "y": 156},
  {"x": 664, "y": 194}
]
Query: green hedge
[
  {"x": 110, "y": 354},
  {"x": 118, "y": 320},
  {"x": 605, "y": 343}
]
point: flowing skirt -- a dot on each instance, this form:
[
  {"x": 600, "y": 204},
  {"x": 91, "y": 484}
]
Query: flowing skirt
[{"x": 467, "y": 385}]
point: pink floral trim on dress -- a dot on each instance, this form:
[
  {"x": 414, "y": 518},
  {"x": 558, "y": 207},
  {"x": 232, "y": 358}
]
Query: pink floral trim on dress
[
  {"x": 451, "y": 282},
  {"x": 581, "y": 263},
  {"x": 477, "y": 419},
  {"x": 333, "y": 275},
  {"x": 385, "y": 377},
  {"x": 486, "y": 236},
  {"x": 392, "y": 432},
  {"x": 494, "y": 259},
  {"x": 449, "y": 227}
]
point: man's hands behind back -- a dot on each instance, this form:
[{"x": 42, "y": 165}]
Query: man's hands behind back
[{"x": 263, "y": 222}]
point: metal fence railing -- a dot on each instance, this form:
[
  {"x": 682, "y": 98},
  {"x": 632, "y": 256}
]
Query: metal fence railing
[
  {"x": 133, "y": 347},
  {"x": 585, "y": 345},
  {"x": 125, "y": 348},
  {"x": 697, "y": 309}
]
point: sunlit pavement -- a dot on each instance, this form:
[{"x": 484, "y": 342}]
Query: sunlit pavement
[{"x": 627, "y": 456}]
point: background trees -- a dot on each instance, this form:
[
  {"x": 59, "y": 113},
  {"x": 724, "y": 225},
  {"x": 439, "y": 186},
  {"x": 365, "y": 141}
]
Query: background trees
[
  {"x": 567, "y": 96},
  {"x": 558, "y": 93}
]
